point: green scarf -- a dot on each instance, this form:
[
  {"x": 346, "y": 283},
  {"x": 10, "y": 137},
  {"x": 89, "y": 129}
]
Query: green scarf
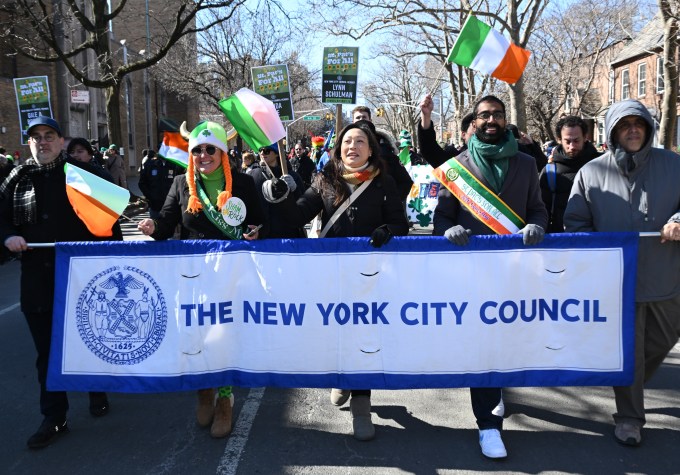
[
  {"x": 492, "y": 159},
  {"x": 213, "y": 183}
]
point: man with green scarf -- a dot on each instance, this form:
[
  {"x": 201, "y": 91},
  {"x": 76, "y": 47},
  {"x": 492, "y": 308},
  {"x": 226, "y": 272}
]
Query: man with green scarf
[{"x": 508, "y": 178}]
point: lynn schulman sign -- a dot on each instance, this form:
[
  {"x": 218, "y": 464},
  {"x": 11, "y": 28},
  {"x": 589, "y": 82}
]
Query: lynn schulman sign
[
  {"x": 340, "y": 72},
  {"x": 418, "y": 313}
]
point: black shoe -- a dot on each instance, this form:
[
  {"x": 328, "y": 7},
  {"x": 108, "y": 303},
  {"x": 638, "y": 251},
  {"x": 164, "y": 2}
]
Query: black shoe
[
  {"x": 47, "y": 432},
  {"x": 99, "y": 404}
]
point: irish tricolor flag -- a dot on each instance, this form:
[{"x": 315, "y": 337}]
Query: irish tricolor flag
[
  {"x": 254, "y": 118},
  {"x": 175, "y": 148},
  {"x": 97, "y": 202},
  {"x": 486, "y": 50}
]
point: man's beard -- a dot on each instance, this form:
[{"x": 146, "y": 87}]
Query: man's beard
[{"x": 490, "y": 138}]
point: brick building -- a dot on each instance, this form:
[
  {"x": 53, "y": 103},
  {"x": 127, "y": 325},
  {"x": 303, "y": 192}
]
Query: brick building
[
  {"x": 637, "y": 71},
  {"x": 631, "y": 69},
  {"x": 143, "y": 102}
]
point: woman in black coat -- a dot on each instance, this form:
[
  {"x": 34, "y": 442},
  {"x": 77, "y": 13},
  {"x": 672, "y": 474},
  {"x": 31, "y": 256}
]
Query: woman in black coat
[
  {"x": 377, "y": 212},
  {"x": 196, "y": 200}
]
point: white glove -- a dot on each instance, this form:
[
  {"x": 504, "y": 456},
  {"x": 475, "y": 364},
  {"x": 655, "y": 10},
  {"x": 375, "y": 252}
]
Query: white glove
[
  {"x": 458, "y": 235},
  {"x": 275, "y": 191},
  {"x": 290, "y": 181},
  {"x": 532, "y": 234}
]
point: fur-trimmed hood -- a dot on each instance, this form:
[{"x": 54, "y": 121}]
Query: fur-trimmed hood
[{"x": 386, "y": 139}]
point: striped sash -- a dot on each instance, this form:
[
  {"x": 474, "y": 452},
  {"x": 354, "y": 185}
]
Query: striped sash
[{"x": 483, "y": 203}]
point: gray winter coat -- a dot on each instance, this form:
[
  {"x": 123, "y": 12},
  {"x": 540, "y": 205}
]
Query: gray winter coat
[{"x": 605, "y": 197}]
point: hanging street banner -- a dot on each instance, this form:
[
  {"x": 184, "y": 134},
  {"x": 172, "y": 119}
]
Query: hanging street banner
[
  {"x": 33, "y": 99},
  {"x": 272, "y": 82},
  {"x": 340, "y": 73},
  {"x": 417, "y": 313}
]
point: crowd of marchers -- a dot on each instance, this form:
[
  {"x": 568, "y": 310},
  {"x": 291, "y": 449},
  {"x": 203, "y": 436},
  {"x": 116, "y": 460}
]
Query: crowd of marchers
[{"x": 357, "y": 187}]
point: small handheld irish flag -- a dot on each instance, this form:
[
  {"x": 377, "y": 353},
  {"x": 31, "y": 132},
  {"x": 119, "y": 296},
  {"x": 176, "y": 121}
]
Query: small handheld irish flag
[
  {"x": 254, "y": 118},
  {"x": 486, "y": 50},
  {"x": 97, "y": 202},
  {"x": 175, "y": 148}
]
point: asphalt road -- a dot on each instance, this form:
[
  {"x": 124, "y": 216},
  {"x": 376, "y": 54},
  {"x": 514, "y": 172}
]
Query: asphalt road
[{"x": 297, "y": 431}]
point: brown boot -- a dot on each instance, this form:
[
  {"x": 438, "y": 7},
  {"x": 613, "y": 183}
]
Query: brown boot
[
  {"x": 360, "y": 407},
  {"x": 221, "y": 426},
  {"x": 206, "y": 407}
]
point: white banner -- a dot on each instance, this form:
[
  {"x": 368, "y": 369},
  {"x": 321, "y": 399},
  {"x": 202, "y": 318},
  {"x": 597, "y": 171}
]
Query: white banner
[{"x": 420, "y": 312}]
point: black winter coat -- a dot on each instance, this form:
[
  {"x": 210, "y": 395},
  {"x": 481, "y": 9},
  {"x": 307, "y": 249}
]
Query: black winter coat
[
  {"x": 198, "y": 226},
  {"x": 305, "y": 167},
  {"x": 394, "y": 167},
  {"x": 430, "y": 149},
  {"x": 56, "y": 222},
  {"x": 155, "y": 180},
  {"x": 566, "y": 169},
  {"x": 379, "y": 204},
  {"x": 277, "y": 226}
]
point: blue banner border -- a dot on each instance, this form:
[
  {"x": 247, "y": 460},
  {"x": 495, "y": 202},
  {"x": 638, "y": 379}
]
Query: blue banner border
[{"x": 628, "y": 242}]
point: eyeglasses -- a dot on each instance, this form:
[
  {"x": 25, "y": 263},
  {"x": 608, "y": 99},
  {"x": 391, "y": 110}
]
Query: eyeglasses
[
  {"x": 486, "y": 115},
  {"x": 197, "y": 151},
  {"x": 49, "y": 137}
]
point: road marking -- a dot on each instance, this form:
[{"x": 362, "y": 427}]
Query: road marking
[
  {"x": 239, "y": 436},
  {"x": 9, "y": 309}
]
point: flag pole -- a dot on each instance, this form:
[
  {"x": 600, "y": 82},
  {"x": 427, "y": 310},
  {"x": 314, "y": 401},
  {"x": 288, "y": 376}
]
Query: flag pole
[
  {"x": 439, "y": 77},
  {"x": 282, "y": 158},
  {"x": 52, "y": 244}
]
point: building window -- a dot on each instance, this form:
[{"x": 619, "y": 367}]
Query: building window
[
  {"x": 659, "y": 75},
  {"x": 625, "y": 84},
  {"x": 642, "y": 79},
  {"x": 611, "y": 86},
  {"x": 600, "y": 131}
]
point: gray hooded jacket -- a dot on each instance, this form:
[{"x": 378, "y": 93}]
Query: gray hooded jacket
[{"x": 606, "y": 197}]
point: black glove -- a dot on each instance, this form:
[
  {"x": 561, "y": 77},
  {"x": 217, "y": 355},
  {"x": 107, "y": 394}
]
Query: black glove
[
  {"x": 380, "y": 236},
  {"x": 458, "y": 235},
  {"x": 532, "y": 234},
  {"x": 275, "y": 190}
]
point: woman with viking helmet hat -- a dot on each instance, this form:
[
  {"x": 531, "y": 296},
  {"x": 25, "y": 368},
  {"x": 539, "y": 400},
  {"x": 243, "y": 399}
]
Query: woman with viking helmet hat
[{"x": 196, "y": 200}]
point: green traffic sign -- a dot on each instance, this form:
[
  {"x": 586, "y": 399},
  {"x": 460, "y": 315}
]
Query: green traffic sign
[{"x": 312, "y": 117}]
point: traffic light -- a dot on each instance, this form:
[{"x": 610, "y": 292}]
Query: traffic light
[
  {"x": 329, "y": 116},
  {"x": 380, "y": 112}
]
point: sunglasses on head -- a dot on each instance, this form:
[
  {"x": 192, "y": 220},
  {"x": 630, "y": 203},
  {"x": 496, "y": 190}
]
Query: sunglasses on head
[
  {"x": 266, "y": 150},
  {"x": 209, "y": 149}
]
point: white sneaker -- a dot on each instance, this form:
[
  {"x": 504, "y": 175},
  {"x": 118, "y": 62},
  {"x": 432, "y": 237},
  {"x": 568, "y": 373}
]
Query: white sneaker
[
  {"x": 492, "y": 444},
  {"x": 499, "y": 410}
]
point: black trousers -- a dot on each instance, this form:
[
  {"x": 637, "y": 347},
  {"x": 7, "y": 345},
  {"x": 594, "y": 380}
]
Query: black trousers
[
  {"x": 53, "y": 404},
  {"x": 484, "y": 400}
]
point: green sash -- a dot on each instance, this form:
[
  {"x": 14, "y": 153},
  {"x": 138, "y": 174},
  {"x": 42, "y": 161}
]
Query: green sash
[
  {"x": 215, "y": 216},
  {"x": 483, "y": 203}
]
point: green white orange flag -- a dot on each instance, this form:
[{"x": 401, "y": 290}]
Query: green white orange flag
[
  {"x": 97, "y": 202},
  {"x": 254, "y": 117},
  {"x": 175, "y": 148},
  {"x": 486, "y": 50}
]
